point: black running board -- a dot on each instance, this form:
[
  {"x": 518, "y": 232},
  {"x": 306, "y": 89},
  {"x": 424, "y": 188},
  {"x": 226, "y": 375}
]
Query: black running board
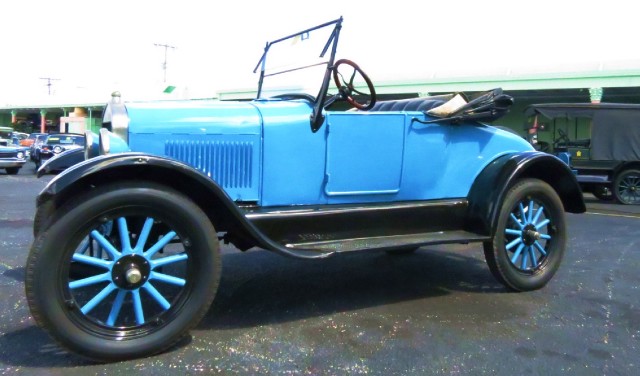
[{"x": 391, "y": 242}]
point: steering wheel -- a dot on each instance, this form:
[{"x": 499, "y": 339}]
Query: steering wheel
[
  {"x": 346, "y": 86},
  {"x": 563, "y": 136}
]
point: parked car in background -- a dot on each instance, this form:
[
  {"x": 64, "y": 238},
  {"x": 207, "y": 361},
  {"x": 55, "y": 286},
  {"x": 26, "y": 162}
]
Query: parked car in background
[
  {"x": 126, "y": 257},
  {"x": 55, "y": 144},
  {"x": 600, "y": 141},
  {"x": 5, "y": 136},
  {"x": 12, "y": 158},
  {"x": 35, "y": 147},
  {"x": 28, "y": 141}
]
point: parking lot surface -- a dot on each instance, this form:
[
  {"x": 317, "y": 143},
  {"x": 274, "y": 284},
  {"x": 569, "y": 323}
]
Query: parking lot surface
[{"x": 438, "y": 311}]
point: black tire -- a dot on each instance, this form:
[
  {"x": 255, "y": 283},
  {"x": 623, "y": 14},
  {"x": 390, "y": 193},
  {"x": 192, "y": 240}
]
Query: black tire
[
  {"x": 530, "y": 240},
  {"x": 158, "y": 290},
  {"x": 12, "y": 170},
  {"x": 626, "y": 187},
  {"x": 602, "y": 192}
]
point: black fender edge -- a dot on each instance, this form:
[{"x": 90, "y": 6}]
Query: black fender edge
[
  {"x": 225, "y": 214},
  {"x": 488, "y": 191}
]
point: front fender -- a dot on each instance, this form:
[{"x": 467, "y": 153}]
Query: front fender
[
  {"x": 490, "y": 187},
  {"x": 225, "y": 215},
  {"x": 61, "y": 162}
]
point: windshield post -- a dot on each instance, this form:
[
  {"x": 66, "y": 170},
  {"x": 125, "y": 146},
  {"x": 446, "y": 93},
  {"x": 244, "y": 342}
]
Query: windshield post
[
  {"x": 262, "y": 63},
  {"x": 316, "y": 116}
]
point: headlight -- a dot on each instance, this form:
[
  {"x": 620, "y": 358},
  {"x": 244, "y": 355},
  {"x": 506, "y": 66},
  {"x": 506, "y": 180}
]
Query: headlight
[
  {"x": 57, "y": 149},
  {"x": 20, "y": 155},
  {"x": 110, "y": 143},
  {"x": 115, "y": 118}
]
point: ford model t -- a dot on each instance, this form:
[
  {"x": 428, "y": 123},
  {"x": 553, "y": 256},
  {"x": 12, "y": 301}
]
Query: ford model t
[{"x": 126, "y": 253}]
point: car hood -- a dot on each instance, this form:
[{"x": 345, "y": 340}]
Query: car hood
[{"x": 193, "y": 117}]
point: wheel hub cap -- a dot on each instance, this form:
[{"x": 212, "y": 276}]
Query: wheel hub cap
[
  {"x": 530, "y": 235},
  {"x": 130, "y": 272}
]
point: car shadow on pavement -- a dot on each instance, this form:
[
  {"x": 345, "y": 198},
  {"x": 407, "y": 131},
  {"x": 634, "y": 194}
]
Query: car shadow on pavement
[
  {"x": 31, "y": 347},
  {"x": 269, "y": 289},
  {"x": 261, "y": 288}
]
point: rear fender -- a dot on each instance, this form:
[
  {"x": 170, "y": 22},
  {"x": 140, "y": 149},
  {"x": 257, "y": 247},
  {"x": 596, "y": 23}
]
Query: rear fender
[{"x": 490, "y": 187}]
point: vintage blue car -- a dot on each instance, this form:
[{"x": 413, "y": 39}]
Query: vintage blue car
[{"x": 126, "y": 253}]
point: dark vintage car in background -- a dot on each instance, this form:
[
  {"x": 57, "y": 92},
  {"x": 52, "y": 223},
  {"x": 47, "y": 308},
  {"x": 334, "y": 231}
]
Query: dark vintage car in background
[
  {"x": 126, "y": 252},
  {"x": 600, "y": 141},
  {"x": 55, "y": 144}
]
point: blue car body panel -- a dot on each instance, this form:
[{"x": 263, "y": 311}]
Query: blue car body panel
[{"x": 262, "y": 151}]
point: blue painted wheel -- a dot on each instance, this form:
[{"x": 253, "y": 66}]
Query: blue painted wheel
[
  {"x": 125, "y": 272},
  {"x": 530, "y": 236}
]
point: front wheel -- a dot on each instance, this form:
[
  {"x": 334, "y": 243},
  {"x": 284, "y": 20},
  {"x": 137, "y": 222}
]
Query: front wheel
[
  {"x": 12, "y": 170},
  {"x": 125, "y": 272},
  {"x": 530, "y": 237}
]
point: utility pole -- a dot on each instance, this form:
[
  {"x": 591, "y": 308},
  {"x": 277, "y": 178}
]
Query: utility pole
[
  {"x": 49, "y": 79},
  {"x": 164, "y": 65}
]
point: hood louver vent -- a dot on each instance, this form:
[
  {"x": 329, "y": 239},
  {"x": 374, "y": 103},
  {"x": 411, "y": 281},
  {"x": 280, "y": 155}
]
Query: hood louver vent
[{"x": 229, "y": 163}]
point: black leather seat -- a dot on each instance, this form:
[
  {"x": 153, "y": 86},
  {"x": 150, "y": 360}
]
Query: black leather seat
[{"x": 412, "y": 104}]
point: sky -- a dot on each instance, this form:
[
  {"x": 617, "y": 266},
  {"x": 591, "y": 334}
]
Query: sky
[{"x": 92, "y": 48}]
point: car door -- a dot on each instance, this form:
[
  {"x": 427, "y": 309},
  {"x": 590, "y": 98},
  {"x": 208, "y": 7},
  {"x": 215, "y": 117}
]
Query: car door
[{"x": 364, "y": 156}]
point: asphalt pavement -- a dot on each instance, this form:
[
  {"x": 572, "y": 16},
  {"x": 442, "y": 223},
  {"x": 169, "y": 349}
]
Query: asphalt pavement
[{"x": 436, "y": 312}]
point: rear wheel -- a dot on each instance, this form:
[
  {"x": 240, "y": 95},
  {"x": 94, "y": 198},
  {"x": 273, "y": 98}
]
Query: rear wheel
[
  {"x": 125, "y": 272},
  {"x": 626, "y": 187},
  {"x": 530, "y": 237}
]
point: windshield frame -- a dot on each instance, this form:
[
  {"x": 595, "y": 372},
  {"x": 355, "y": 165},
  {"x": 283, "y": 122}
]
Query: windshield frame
[{"x": 317, "y": 118}]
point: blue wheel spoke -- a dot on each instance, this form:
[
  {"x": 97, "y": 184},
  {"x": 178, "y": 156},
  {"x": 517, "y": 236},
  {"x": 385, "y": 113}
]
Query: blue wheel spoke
[
  {"x": 542, "y": 224},
  {"x": 513, "y": 243},
  {"x": 160, "y": 244},
  {"x": 523, "y": 215},
  {"x": 94, "y": 261},
  {"x": 124, "y": 235},
  {"x": 540, "y": 249},
  {"x": 105, "y": 277},
  {"x": 511, "y": 231},
  {"x": 137, "y": 307},
  {"x": 157, "y": 296},
  {"x": 115, "y": 309},
  {"x": 523, "y": 264},
  {"x": 530, "y": 211},
  {"x": 104, "y": 243},
  {"x": 167, "y": 278},
  {"x": 538, "y": 214},
  {"x": 516, "y": 221},
  {"x": 85, "y": 245},
  {"x": 514, "y": 258},
  {"x": 545, "y": 236},
  {"x": 144, "y": 235},
  {"x": 534, "y": 261},
  {"x": 91, "y": 304},
  {"x": 168, "y": 260}
]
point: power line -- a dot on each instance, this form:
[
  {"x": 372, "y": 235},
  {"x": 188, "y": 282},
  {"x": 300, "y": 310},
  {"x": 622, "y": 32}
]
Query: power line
[
  {"x": 164, "y": 65},
  {"x": 48, "y": 84}
]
